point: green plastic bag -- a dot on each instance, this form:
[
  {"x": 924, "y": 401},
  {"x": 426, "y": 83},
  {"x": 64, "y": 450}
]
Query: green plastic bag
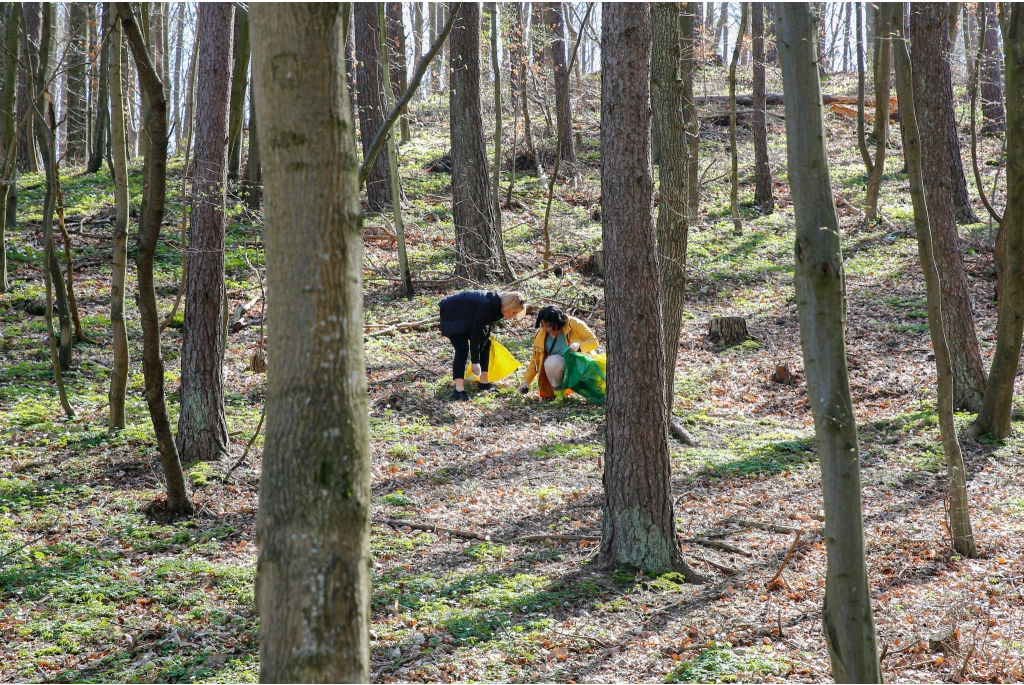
[{"x": 585, "y": 375}]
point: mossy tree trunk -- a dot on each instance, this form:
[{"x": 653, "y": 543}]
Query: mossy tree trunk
[
  {"x": 313, "y": 578},
  {"x": 849, "y": 626}
]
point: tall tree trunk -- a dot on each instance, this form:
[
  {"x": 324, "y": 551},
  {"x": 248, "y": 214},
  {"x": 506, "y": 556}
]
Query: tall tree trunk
[
  {"x": 690, "y": 33},
  {"x": 239, "y": 82},
  {"x": 178, "y": 82},
  {"x": 155, "y": 184},
  {"x": 119, "y": 157},
  {"x": 722, "y": 32},
  {"x": 846, "y": 39},
  {"x": 188, "y": 117},
  {"x": 479, "y": 247},
  {"x": 763, "y": 197},
  {"x": 252, "y": 188},
  {"x": 496, "y": 71},
  {"x": 737, "y": 225},
  {"x": 27, "y": 156},
  {"x": 970, "y": 37},
  {"x": 202, "y": 424},
  {"x": 667, "y": 110},
  {"x": 313, "y": 579},
  {"x": 563, "y": 110},
  {"x": 98, "y": 141},
  {"x": 396, "y": 186},
  {"x": 771, "y": 51},
  {"x": 435, "y": 66},
  {"x": 882, "y": 68},
  {"x": 9, "y": 143},
  {"x": 994, "y": 418},
  {"x": 914, "y": 152},
  {"x": 849, "y": 626},
  {"x": 399, "y": 70},
  {"x": 76, "y": 151},
  {"x": 992, "y": 113},
  {"x": 639, "y": 521},
  {"x": 933, "y": 96},
  {"x": 369, "y": 95}
]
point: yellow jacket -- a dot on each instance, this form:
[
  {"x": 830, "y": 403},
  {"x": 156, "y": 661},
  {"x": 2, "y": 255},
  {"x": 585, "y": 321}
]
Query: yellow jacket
[{"x": 575, "y": 330}]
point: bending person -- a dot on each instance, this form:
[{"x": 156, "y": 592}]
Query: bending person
[
  {"x": 557, "y": 332},
  {"x": 466, "y": 320}
]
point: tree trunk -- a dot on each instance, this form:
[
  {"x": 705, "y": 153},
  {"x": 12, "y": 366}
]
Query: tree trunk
[
  {"x": 479, "y": 247},
  {"x": 9, "y": 143},
  {"x": 417, "y": 37},
  {"x": 369, "y": 95},
  {"x": 992, "y": 113},
  {"x": 763, "y": 197},
  {"x": 933, "y": 94},
  {"x": 496, "y": 71},
  {"x": 119, "y": 157},
  {"x": 846, "y": 39},
  {"x": 202, "y": 424},
  {"x": 672, "y": 225},
  {"x": 396, "y": 189},
  {"x": 737, "y": 225},
  {"x": 188, "y": 119},
  {"x": 994, "y": 418},
  {"x": 435, "y": 68},
  {"x": 313, "y": 582},
  {"x": 722, "y": 31},
  {"x": 690, "y": 33},
  {"x": 727, "y": 330},
  {"x": 882, "y": 68},
  {"x": 252, "y": 187},
  {"x": 155, "y": 183},
  {"x": 639, "y": 521},
  {"x": 914, "y": 153},
  {"x": 178, "y": 82},
  {"x": 101, "y": 122},
  {"x": 26, "y": 135},
  {"x": 563, "y": 111},
  {"x": 771, "y": 51},
  {"x": 820, "y": 293},
  {"x": 239, "y": 82},
  {"x": 399, "y": 70},
  {"x": 970, "y": 37}
]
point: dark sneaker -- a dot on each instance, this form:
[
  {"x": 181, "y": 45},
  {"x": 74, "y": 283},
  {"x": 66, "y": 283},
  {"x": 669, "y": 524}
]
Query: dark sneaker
[
  {"x": 459, "y": 396},
  {"x": 484, "y": 387}
]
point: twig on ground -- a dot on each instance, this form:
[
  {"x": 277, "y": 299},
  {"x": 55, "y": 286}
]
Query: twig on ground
[
  {"x": 785, "y": 560},
  {"x": 432, "y": 528},
  {"x": 565, "y": 538},
  {"x": 771, "y": 527},
  {"x": 724, "y": 546},
  {"x": 405, "y": 324},
  {"x": 248, "y": 446}
]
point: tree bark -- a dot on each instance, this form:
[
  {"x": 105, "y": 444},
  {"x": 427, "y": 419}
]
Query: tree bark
[
  {"x": 992, "y": 112},
  {"x": 202, "y": 424},
  {"x": 98, "y": 141},
  {"x": 399, "y": 70},
  {"x": 76, "y": 149},
  {"x": 639, "y": 521},
  {"x": 882, "y": 68},
  {"x": 9, "y": 143},
  {"x": 690, "y": 33},
  {"x": 820, "y": 293},
  {"x": 252, "y": 187},
  {"x": 188, "y": 118},
  {"x": 369, "y": 96},
  {"x": 479, "y": 247},
  {"x": 239, "y": 83},
  {"x": 313, "y": 580},
  {"x": 672, "y": 224},
  {"x": 996, "y": 407},
  {"x": 763, "y": 197},
  {"x": 119, "y": 157},
  {"x": 178, "y": 82},
  {"x": 913, "y": 152},
  {"x": 933, "y": 94},
  {"x": 563, "y": 111},
  {"x": 155, "y": 184},
  {"x": 737, "y": 225},
  {"x": 396, "y": 191}
]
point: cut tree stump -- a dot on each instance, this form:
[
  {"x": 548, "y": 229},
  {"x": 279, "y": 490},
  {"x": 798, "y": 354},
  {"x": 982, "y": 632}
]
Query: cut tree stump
[{"x": 727, "y": 330}]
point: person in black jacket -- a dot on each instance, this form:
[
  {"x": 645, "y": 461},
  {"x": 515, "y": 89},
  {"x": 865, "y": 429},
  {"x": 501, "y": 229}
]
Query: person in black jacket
[{"x": 466, "y": 320}]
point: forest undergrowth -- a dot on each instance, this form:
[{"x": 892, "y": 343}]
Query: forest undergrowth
[{"x": 93, "y": 589}]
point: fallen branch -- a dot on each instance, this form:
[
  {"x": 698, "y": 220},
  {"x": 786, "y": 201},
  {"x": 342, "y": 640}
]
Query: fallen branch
[
  {"x": 785, "y": 560},
  {"x": 677, "y": 431},
  {"x": 849, "y": 205},
  {"x": 432, "y": 528},
  {"x": 534, "y": 275},
  {"x": 724, "y": 546},
  {"x": 240, "y": 311},
  {"x": 771, "y": 527},
  {"x": 400, "y": 326},
  {"x": 248, "y": 445},
  {"x": 564, "y": 538},
  {"x": 729, "y": 571}
]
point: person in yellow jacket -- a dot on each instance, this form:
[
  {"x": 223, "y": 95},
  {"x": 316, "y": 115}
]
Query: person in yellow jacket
[{"x": 557, "y": 332}]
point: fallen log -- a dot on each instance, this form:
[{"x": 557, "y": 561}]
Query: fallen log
[{"x": 777, "y": 99}]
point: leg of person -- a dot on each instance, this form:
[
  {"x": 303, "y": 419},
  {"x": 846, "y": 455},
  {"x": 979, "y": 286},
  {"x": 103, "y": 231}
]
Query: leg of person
[
  {"x": 461, "y": 345},
  {"x": 554, "y": 369},
  {"x": 485, "y": 360}
]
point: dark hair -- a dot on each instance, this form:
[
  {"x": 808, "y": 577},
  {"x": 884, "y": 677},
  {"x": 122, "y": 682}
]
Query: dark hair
[{"x": 551, "y": 315}]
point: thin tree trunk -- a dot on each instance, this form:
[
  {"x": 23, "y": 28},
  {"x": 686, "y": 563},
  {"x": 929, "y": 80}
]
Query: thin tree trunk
[
  {"x": 846, "y": 39},
  {"x": 933, "y": 95},
  {"x": 252, "y": 188},
  {"x": 771, "y": 51},
  {"x": 177, "y": 503},
  {"x": 763, "y": 197},
  {"x": 435, "y": 69},
  {"x": 313, "y": 582},
  {"x": 882, "y": 67},
  {"x": 417, "y": 35},
  {"x": 970, "y": 36},
  {"x": 369, "y": 95},
  {"x": 479, "y": 247},
  {"x": 119, "y": 155},
  {"x": 861, "y": 141},
  {"x": 914, "y": 152},
  {"x": 820, "y": 294},
  {"x": 689, "y": 31},
  {"x": 639, "y": 520},
  {"x": 996, "y": 407},
  {"x": 239, "y": 83},
  {"x": 993, "y": 115},
  {"x": 563, "y": 111},
  {"x": 396, "y": 189},
  {"x": 399, "y": 68},
  {"x": 9, "y": 143},
  {"x": 496, "y": 70},
  {"x": 178, "y": 82},
  {"x": 202, "y": 424},
  {"x": 737, "y": 225},
  {"x": 76, "y": 113},
  {"x": 101, "y": 121},
  {"x": 516, "y": 81},
  {"x": 188, "y": 120}
]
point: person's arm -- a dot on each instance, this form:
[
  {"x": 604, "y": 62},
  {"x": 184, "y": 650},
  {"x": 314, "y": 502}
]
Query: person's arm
[
  {"x": 533, "y": 368},
  {"x": 477, "y": 332},
  {"x": 582, "y": 334}
]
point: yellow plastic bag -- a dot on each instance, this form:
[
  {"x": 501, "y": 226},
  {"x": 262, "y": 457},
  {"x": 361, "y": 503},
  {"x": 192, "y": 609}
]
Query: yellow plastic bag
[
  {"x": 602, "y": 361},
  {"x": 501, "y": 364}
]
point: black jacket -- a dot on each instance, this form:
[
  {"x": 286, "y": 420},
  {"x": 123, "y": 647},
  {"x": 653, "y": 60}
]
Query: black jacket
[{"x": 470, "y": 313}]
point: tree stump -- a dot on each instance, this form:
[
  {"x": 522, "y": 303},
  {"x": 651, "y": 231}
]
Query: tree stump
[{"x": 727, "y": 330}]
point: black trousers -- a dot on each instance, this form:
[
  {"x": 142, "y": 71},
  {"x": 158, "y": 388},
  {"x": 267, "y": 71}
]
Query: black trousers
[{"x": 461, "y": 345}]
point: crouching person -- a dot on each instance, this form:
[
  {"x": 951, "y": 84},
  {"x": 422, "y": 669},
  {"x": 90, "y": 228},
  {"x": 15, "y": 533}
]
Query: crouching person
[
  {"x": 466, "y": 320},
  {"x": 556, "y": 333}
]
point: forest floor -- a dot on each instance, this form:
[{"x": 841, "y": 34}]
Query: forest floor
[{"x": 91, "y": 589}]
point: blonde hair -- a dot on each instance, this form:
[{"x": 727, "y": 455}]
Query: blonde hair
[{"x": 513, "y": 301}]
